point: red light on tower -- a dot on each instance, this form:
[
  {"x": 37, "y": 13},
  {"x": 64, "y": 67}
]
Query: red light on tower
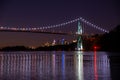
[{"x": 96, "y": 47}]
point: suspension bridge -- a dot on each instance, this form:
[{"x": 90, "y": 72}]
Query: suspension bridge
[{"x": 81, "y": 22}]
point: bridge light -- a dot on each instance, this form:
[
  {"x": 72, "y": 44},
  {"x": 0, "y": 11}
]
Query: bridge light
[
  {"x": 77, "y": 19},
  {"x": 80, "y": 18},
  {"x": 52, "y": 26},
  {"x": 38, "y": 28},
  {"x": 63, "y": 24},
  {"x": 66, "y": 23}
]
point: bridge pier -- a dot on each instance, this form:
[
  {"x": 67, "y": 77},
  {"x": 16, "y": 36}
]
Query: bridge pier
[
  {"x": 79, "y": 39},
  {"x": 79, "y": 43}
]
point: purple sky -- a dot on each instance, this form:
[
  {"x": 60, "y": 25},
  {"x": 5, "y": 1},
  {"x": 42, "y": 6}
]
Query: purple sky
[{"x": 30, "y": 13}]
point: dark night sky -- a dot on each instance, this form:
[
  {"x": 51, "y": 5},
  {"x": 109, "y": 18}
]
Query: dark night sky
[{"x": 30, "y": 13}]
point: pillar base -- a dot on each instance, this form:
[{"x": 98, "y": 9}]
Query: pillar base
[{"x": 78, "y": 49}]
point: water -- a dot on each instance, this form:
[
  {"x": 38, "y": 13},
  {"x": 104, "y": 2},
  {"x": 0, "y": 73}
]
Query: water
[{"x": 56, "y": 65}]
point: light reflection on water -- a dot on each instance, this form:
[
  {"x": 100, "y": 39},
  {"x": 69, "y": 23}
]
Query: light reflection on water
[{"x": 54, "y": 66}]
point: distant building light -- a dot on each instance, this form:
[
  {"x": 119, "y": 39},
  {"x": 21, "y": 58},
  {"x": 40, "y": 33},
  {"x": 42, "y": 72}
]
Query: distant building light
[
  {"x": 54, "y": 42},
  {"x": 32, "y": 47},
  {"x": 74, "y": 41}
]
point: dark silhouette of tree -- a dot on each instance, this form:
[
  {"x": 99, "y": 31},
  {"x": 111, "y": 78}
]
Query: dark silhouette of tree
[{"x": 111, "y": 41}]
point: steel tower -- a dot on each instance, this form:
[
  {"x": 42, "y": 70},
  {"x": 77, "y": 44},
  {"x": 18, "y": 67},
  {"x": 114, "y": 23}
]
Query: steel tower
[{"x": 79, "y": 39}]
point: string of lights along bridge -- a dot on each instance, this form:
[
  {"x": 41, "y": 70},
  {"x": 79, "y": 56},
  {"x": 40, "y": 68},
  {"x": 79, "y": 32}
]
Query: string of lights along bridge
[{"x": 41, "y": 29}]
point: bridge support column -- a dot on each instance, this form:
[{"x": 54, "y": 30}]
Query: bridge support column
[{"x": 79, "y": 39}]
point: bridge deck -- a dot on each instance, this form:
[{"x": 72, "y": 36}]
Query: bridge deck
[{"x": 38, "y": 31}]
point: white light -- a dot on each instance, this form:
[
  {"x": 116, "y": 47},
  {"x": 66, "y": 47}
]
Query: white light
[
  {"x": 53, "y": 26},
  {"x": 71, "y": 21},
  {"x": 85, "y": 21},
  {"x": 68, "y": 22}
]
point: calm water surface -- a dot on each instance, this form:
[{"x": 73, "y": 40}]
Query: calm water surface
[{"x": 75, "y": 65}]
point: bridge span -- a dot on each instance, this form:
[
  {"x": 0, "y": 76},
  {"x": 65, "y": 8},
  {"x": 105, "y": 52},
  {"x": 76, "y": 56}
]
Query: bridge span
[
  {"x": 79, "y": 32},
  {"x": 38, "y": 31}
]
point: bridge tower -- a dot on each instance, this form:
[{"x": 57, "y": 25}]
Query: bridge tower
[{"x": 79, "y": 39}]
